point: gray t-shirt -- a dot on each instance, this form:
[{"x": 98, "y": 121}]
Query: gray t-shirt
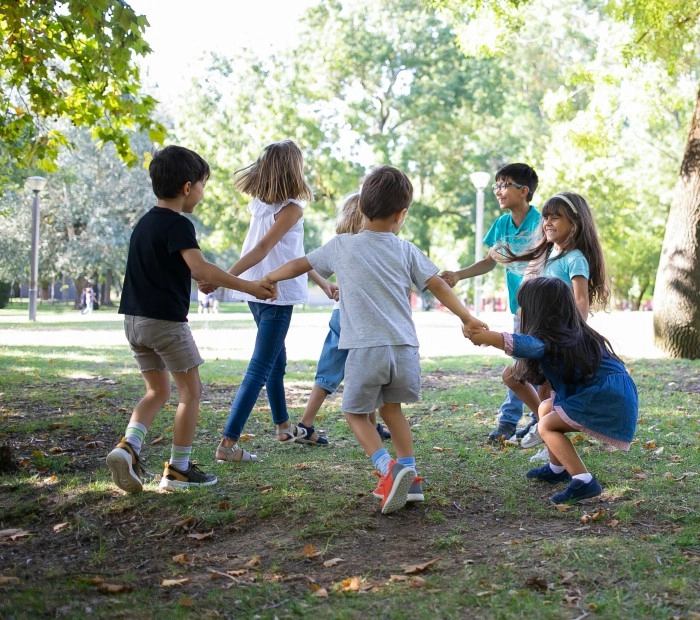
[{"x": 374, "y": 273}]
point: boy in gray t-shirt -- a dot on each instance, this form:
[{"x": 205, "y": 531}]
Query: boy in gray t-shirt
[{"x": 375, "y": 270}]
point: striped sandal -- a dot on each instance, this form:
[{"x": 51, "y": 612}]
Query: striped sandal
[
  {"x": 233, "y": 454},
  {"x": 292, "y": 433}
]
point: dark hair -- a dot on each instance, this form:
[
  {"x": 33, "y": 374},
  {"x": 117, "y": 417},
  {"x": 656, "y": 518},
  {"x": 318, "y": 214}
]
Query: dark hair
[
  {"x": 548, "y": 312},
  {"x": 522, "y": 174},
  {"x": 277, "y": 175},
  {"x": 385, "y": 191},
  {"x": 583, "y": 237},
  {"x": 172, "y": 167}
]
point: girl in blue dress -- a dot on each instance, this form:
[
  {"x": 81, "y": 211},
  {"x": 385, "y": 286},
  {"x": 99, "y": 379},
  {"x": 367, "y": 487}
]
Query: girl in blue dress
[{"x": 592, "y": 392}]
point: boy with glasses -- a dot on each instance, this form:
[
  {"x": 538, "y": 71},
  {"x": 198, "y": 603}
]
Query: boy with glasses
[{"x": 518, "y": 228}]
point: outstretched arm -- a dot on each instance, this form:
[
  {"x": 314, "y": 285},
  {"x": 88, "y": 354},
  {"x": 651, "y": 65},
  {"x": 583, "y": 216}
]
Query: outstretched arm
[
  {"x": 445, "y": 295},
  {"x": 330, "y": 289},
  {"x": 485, "y": 337},
  {"x": 476, "y": 269},
  {"x": 289, "y": 270},
  {"x": 213, "y": 276}
]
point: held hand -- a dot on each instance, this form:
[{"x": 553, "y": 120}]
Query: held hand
[
  {"x": 263, "y": 289},
  {"x": 332, "y": 292},
  {"x": 450, "y": 277},
  {"x": 206, "y": 287},
  {"x": 474, "y": 324},
  {"x": 477, "y": 336}
]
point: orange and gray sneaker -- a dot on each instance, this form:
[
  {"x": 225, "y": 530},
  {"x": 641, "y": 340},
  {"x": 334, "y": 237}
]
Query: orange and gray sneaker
[
  {"x": 174, "y": 478},
  {"x": 393, "y": 487},
  {"x": 126, "y": 468},
  {"x": 415, "y": 491}
]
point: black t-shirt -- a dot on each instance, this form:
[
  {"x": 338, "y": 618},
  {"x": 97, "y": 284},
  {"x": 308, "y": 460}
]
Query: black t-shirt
[{"x": 158, "y": 281}]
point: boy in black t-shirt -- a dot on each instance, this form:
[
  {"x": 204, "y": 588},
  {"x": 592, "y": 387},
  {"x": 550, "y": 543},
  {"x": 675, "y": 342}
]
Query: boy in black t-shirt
[{"x": 163, "y": 258}]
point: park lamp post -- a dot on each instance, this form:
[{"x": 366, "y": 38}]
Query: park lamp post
[
  {"x": 36, "y": 184},
  {"x": 480, "y": 181}
]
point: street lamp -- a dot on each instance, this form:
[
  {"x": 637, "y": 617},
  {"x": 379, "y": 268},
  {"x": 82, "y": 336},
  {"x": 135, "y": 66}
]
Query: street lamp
[
  {"x": 36, "y": 184},
  {"x": 480, "y": 181}
]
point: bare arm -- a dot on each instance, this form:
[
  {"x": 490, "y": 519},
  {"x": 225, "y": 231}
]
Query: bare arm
[
  {"x": 289, "y": 270},
  {"x": 202, "y": 270},
  {"x": 445, "y": 295},
  {"x": 580, "y": 286},
  {"x": 476, "y": 269},
  {"x": 486, "y": 337},
  {"x": 327, "y": 287},
  {"x": 284, "y": 220}
]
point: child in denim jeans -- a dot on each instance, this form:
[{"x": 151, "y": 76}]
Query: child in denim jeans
[
  {"x": 276, "y": 235},
  {"x": 331, "y": 363}
]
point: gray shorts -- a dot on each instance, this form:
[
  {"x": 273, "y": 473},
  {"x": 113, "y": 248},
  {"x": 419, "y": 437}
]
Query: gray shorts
[
  {"x": 375, "y": 375},
  {"x": 159, "y": 345}
]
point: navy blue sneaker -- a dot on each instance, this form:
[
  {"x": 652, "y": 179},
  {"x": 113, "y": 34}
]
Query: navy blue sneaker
[
  {"x": 546, "y": 474},
  {"x": 578, "y": 490},
  {"x": 383, "y": 432}
]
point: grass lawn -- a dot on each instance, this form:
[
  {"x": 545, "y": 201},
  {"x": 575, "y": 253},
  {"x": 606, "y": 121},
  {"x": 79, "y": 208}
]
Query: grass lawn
[{"x": 299, "y": 533}]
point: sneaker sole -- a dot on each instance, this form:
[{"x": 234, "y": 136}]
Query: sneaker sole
[
  {"x": 123, "y": 475},
  {"x": 399, "y": 492},
  {"x": 531, "y": 444},
  {"x": 175, "y": 485},
  {"x": 414, "y": 497}
]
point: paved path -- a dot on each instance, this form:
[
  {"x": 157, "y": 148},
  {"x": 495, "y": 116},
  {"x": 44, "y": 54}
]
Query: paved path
[{"x": 231, "y": 336}]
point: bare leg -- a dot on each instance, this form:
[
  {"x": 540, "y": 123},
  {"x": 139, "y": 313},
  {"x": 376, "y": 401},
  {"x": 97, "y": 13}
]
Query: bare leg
[
  {"x": 316, "y": 398},
  {"x": 396, "y": 422},
  {"x": 189, "y": 388},
  {"x": 365, "y": 432},
  {"x": 553, "y": 431},
  {"x": 157, "y": 394},
  {"x": 524, "y": 391}
]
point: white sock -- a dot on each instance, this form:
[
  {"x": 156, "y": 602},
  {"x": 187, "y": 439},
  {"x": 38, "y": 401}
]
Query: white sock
[
  {"x": 180, "y": 457},
  {"x": 557, "y": 469},
  {"x": 135, "y": 434},
  {"x": 585, "y": 478}
]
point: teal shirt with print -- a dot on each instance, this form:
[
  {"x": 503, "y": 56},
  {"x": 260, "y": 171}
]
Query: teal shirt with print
[{"x": 518, "y": 238}]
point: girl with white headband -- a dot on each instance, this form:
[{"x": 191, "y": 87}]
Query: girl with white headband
[{"x": 569, "y": 250}]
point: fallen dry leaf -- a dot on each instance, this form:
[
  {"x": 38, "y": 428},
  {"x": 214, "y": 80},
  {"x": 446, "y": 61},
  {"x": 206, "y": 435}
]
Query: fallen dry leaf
[
  {"x": 113, "y": 588},
  {"x": 416, "y": 581},
  {"x": 224, "y": 506},
  {"x": 237, "y": 572},
  {"x": 419, "y": 568},
  {"x": 14, "y": 534},
  {"x": 60, "y": 526},
  {"x": 585, "y": 518},
  {"x": 246, "y": 437},
  {"x": 184, "y": 559},
  {"x": 169, "y": 583},
  {"x": 186, "y": 523},
  {"x": 309, "y": 551},
  {"x": 6, "y": 580},
  {"x": 352, "y": 584},
  {"x": 649, "y": 445},
  {"x": 613, "y": 523},
  {"x": 332, "y": 562},
  {"x": 158, "y": 440},
  {"x": 321, "y": 593},
  {"x": 395, "y": 578},
  {"x": 598, "y": 514},
  {"x": 185, "y": 601},
  {"x": 563, "y": 507},
  {"x": 253, "y": 562},
  {"x": 203, "y": 536}
]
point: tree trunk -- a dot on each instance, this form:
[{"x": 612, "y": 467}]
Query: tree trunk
[
  {"x": 106, "y": 290},
  {"x": 677, "y": 290},
  {"x": 79, "y": 284}
]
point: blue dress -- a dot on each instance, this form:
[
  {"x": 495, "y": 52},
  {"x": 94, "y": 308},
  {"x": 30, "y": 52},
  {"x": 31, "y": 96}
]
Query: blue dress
[{"x": 604, "y": 406}]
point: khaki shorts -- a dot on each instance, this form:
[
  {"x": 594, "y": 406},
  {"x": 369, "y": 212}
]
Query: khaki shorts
[
  {"x": 375, "y": 375},
  {"x": 159, "y": 345}
]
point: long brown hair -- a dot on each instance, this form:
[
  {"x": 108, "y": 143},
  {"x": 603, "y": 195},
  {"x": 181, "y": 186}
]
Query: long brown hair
[
  {"x": 583, "y": 237},
  {"x": 277, "y": 175}
]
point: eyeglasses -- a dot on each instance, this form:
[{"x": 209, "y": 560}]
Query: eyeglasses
[{"x": 497, "y": 187}]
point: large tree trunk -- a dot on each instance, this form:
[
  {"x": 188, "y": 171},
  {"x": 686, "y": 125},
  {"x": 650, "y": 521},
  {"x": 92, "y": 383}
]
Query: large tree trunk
[
  {"x": 106, "y": 290},
  {"x": 677, "y": 290}
]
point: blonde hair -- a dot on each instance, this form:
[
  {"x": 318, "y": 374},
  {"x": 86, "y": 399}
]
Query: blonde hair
[
  {"x": 277, "y": 175},
  {"x": 350, "y": 218}
]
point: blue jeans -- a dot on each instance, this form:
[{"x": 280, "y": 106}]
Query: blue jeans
[
  {"x": 267, "y": 367},
  {"x": 331, "y": 364},
  {"x": 512, "y": 407}
]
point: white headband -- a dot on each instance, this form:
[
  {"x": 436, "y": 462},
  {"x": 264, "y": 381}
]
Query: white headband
[{"x": 567, "y": 201}]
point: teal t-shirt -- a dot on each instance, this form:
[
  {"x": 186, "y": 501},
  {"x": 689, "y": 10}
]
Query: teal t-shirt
[
  {"x": 518, "y": 238},
  {"x": 566, "y": 266}
]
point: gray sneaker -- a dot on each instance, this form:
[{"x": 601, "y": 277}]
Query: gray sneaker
[{"x": 532, "y": 438}]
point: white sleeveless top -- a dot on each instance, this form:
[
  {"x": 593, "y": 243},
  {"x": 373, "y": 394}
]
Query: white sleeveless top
[{"x": 289, "y": 247}]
